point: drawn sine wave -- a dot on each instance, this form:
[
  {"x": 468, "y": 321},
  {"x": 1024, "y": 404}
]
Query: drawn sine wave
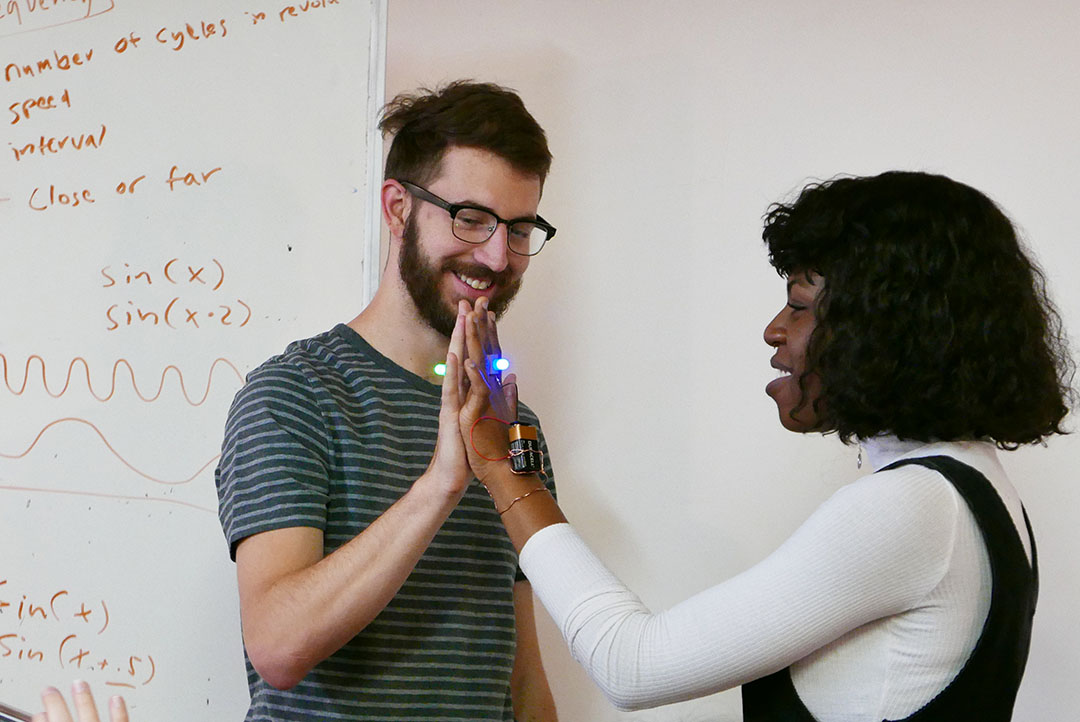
[
  {"x": 112, "y": 449},
  {"x": 80, "y": 361},
  {"x": 99, "y": 495}
]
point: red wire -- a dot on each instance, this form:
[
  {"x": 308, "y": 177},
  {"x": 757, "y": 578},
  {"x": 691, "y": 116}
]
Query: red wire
[{"x": 472, "y": 441}]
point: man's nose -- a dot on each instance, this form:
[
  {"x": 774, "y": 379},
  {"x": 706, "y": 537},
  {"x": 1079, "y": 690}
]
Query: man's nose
[{"x": 494, "y": 252}]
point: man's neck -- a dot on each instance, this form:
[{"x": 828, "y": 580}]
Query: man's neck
[{"x": 394, "y": 328}]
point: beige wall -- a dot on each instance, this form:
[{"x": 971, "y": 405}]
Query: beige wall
[{"x": 638, "y": 334}]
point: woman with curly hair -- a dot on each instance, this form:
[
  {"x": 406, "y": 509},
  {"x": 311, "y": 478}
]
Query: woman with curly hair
[{"x": 916, "y": 325}]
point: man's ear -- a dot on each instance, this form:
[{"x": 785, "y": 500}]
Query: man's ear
[{"x": 396, "y": 203}]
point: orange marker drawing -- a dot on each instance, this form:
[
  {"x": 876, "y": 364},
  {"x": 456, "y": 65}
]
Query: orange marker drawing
[
  {"x": 112, "y": 388},
  {"x": 116, "y": 497},
  {"x": 125, "y": 462}
]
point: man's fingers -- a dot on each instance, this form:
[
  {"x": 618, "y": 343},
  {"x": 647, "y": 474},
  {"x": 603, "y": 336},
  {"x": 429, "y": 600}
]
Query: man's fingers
[
  {"x": 457, "y": 337},
  {"x": 463, "y": 351},
  {"x": 452, "y": 388},
  {"x": 473, "y": 339},
  {"x": 451, "y": 398}
]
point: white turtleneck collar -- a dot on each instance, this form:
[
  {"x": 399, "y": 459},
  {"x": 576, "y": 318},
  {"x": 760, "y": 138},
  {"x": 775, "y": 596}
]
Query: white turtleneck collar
[{"x": 880, "y": 451}]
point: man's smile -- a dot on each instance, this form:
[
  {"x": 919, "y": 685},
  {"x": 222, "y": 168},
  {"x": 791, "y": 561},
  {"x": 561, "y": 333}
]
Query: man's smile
[{"x": 476, "y": 283}]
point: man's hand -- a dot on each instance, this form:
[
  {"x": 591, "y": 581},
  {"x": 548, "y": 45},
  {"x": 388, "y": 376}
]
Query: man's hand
[
  {"x": 298, "y": 607},
  {"x": 449, "y": 465}
]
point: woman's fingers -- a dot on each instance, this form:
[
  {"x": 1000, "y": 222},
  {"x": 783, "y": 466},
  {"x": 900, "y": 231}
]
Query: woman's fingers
[
  {"x": 474, "y": 340},
  {"x": 55, "y": 708},
  {"x": 493, "y": 329},
  {"x": 118, "y": 709},
  {"x": 482, "y": 324},
  {"x": 510, "y": 394},
  {"x": 489, "y": 335},
  {"x": 477, "y": 398},
  {"x": 83, "y": 701},
  {"x": 483, "y": 349}
]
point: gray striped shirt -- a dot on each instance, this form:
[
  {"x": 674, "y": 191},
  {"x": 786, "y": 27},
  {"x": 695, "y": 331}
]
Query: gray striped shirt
[{"x": 329, "y": 435}]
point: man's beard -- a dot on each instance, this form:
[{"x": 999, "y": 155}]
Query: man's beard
[{"x": 423, "y": 282}]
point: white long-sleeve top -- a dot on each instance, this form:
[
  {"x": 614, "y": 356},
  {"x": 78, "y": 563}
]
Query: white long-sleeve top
[{"x": 875, "y": 602}]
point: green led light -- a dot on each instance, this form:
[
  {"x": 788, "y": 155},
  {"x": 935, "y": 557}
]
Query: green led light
[{"x": 440, "y": 369}]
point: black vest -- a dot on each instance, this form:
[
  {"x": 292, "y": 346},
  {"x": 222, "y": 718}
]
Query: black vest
[{"x": 985, "y": 689}]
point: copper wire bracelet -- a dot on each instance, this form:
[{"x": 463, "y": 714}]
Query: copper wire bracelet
[
  {"x": 515, "y": 501},
  {"x": 519, "y": 452}
]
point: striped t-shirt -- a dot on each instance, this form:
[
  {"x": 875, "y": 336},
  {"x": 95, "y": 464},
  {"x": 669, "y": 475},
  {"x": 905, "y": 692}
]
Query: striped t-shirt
[{"x": 329, "y": 435}]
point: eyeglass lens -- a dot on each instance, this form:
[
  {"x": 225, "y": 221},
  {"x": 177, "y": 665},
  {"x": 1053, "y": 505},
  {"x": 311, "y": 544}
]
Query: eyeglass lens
[{"x": 473, "y": 225}]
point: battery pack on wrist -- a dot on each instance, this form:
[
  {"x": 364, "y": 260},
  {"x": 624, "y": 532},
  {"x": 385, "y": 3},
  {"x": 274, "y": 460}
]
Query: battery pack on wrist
[{"x": 525, "y": 454}]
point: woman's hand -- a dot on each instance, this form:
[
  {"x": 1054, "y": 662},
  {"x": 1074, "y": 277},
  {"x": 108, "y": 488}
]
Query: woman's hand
[
  {"x": 488, "y": 400},
  {"x": 521, "y": 500},
  {"x": 56, "y": 709}
]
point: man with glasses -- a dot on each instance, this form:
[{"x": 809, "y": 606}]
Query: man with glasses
[{"x": 376, "y": 582}]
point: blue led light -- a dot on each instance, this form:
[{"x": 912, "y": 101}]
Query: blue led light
[
  {"x": 440, "y": 369},
  {"x": 501, "y": 364}
]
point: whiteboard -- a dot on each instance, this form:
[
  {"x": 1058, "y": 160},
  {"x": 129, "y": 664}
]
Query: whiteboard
[{"x": 184, "y": 189}]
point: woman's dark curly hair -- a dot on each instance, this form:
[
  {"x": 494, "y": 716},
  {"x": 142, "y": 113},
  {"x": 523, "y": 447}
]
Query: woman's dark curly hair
[{"x": 933, "y": 324}]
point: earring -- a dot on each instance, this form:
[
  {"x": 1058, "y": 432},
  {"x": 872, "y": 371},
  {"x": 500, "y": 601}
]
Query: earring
[{"x": 858, "y": 459}]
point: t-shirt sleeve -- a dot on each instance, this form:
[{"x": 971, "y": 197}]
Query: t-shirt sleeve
[
  {"x": 875, "y": 548},
  {"x": 273, "y": 472}
]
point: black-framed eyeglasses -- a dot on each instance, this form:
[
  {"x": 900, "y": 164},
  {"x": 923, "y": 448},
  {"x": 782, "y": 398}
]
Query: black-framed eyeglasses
[{"x": 524, "y": 236}]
